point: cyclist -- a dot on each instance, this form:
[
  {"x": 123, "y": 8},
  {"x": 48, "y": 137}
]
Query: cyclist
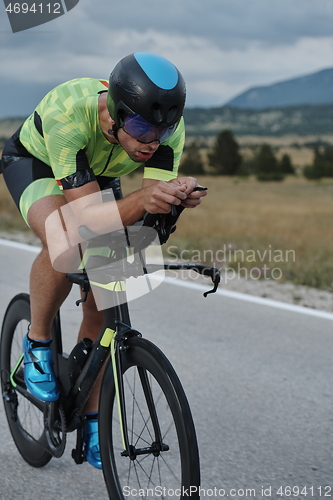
[{"x": 80, "y": 139}]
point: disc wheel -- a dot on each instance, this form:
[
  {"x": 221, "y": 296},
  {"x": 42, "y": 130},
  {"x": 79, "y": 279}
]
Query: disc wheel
[{"x": 25, "y": 414}]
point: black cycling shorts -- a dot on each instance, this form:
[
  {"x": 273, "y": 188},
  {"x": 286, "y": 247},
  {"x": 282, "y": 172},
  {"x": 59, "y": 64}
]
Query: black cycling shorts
[{"x": 29, "y": 179}]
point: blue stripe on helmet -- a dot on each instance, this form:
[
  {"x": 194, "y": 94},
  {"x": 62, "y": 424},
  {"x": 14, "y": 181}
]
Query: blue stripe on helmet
[{"x": 158, "y": 69}]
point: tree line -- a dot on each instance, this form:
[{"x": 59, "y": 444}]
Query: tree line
[{"x": 225, "y": 159}]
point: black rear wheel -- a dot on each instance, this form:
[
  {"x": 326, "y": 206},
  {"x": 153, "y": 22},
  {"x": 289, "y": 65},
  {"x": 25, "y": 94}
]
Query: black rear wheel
[
  {"x": 25, "y": 414},
  {"x": 170, "y": 472}
]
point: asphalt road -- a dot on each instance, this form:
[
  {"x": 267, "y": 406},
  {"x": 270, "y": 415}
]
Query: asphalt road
[{"x": 259, "y": 382}]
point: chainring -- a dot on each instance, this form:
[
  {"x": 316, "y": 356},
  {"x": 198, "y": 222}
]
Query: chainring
[{"x": 55, "y": 428}]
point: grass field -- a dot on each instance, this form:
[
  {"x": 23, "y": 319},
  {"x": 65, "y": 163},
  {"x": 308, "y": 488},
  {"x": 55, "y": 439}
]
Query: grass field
[
  {"x": 275, "y": 230},
  {"x": 280, "y": 230}
]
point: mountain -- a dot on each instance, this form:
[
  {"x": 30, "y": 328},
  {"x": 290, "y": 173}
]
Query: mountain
[
  {"x": 314, "y": 120},
  {"x": 313, "y": 89}
]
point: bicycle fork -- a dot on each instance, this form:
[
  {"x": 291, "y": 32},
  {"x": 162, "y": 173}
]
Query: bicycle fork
[{"x": 118, "y": 346}]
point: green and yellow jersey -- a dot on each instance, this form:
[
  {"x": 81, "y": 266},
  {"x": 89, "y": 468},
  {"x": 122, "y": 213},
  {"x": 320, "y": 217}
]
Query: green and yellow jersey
[{"x": 64, "y": 133}]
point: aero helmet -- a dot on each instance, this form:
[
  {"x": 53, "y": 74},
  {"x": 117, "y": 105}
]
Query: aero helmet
[{"x": 149, "y": 86}]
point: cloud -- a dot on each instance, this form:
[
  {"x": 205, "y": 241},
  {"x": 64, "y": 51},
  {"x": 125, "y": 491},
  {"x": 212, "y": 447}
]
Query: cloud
[
  {"x": 213, "y": 74},
  {"x": 226, "y": 22},
  {"x": 222, "y": 47}
]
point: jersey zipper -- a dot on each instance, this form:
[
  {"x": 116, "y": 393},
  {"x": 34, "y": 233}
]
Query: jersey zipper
[{"x": 108, "y": 160}]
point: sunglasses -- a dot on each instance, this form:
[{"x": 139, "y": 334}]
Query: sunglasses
[{"x": 143, "y": 131}]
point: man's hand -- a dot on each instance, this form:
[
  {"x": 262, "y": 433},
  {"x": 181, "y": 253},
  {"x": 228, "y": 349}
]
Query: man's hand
[
  {"x": 193, "y": 198},
  {"x": 158, "y": 196}
]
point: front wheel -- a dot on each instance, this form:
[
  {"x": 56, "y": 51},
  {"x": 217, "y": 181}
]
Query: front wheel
[
  {"x": 171, "y": 473},
  {"x": 24, "y": 414}
]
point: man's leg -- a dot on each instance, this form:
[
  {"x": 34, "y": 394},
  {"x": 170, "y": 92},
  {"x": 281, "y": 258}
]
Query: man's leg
[{"x": 48, "y": 288}]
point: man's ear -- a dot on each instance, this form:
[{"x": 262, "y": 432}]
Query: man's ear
[
  {"x": 111, "y": 123},
  {"x": 110, "y": 120}
]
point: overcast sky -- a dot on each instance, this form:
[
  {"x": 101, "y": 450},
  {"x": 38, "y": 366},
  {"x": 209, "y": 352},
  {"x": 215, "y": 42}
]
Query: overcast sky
[{"x": 222, "y": 47}]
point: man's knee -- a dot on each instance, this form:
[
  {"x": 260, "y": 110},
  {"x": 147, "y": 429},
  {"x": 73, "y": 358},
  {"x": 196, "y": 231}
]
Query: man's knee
[{"x": 61, "y": 240}]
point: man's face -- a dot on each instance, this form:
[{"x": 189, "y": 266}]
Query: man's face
[{"x": 136, "y": 150}]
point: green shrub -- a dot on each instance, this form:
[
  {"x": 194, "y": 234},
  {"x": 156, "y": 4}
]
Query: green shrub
[
  {"x": 225, "y": 158},
  {"x": 192, "y": 163},
  {"x": 322, "y": 165},
  {"x": 286, "y": 166},
  {"x": 267, "y": 167}
]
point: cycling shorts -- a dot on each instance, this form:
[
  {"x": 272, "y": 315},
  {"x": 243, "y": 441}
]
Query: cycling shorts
[{"x": 29, "y": 179}]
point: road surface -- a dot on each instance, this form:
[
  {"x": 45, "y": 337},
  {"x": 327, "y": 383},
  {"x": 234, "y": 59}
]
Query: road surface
[{"x": 259, "y": 382}]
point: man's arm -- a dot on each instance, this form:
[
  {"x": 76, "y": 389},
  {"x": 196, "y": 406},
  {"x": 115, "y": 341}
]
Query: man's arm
[{"x": 154, "y": 197}]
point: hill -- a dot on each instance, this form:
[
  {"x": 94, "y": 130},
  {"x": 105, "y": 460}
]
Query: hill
[
  {"x": 313, "y": 89},
  {"x": 274, "y": 122},
  {"x": 299, "y": 120}
]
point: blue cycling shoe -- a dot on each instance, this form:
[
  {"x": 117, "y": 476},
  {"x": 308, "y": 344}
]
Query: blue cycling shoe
[
  {"x": 92, "y": 450},
  {"x": 39, "y": 376}
]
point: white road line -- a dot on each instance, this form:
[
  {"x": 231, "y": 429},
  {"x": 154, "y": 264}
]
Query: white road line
[
  {"x": 20, "y": 246},
  {"x": 203, "y": 288},
  {"x": 252, "y": 298}
]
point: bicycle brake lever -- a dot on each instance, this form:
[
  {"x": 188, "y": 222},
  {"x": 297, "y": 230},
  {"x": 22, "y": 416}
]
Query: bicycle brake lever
[
  {"x": 213, "y": 290},
  {"x": 216, "y": 281},
  {"x": 78, "y": 302}
]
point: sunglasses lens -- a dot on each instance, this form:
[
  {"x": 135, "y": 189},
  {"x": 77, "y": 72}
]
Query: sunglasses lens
[{"x": 143, "y": 131}]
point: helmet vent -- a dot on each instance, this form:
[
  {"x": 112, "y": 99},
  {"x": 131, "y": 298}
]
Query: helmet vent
[
  {"x": 157, "y": 112},
  {"x": 172, "y": 114}
]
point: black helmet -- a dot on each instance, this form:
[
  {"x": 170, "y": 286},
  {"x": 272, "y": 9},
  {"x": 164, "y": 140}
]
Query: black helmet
[{"x": 148, "y": 85}]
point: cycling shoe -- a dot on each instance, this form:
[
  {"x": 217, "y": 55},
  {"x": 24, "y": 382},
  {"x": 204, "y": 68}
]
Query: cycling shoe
[
  {"x": 91, "y": 443},
  {"x": 39, "y": 376}
]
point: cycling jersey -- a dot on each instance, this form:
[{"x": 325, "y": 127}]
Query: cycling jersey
[
  {"x": 64, "y": 132},
  {"x": 61, "y": 146}
]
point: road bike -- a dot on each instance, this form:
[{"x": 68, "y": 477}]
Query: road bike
[{"x": 147, "y": 436}]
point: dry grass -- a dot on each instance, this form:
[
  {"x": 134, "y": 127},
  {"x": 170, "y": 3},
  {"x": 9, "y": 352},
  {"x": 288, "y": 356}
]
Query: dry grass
[
  {"x": 245, "y": 224},
  {"x": 10, "y": 218}
]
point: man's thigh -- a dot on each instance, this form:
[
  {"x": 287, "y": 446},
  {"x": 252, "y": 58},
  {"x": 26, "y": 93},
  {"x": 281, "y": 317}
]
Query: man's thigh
[
  {"x": 28, "y": 181},
  {"x": 40, "y": 210}
]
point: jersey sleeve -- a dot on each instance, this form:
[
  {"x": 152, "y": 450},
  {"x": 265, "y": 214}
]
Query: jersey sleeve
[
  {"x": 164, "y": 164},
  {"x": 65, "y": 142}
]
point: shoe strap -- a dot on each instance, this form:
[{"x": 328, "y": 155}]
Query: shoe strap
[
  {"x": 40, "y": 355},
  {"x": 40, "y": 379}
]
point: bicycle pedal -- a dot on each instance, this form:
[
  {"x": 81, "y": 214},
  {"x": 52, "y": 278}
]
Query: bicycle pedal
[{"x": 78, "y": 456}]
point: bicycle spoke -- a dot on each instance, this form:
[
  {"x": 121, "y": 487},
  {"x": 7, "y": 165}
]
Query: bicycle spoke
[
  {"x": 147, "y": 471},
  {"x": 138, "y": 405},
  {"x": 162, "y": 458}
]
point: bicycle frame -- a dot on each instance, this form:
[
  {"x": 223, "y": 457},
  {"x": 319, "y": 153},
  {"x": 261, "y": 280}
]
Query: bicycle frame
[{"x": 111, "y": 340}]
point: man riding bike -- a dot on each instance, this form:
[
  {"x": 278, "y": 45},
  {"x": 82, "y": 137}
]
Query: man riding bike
[{"x": 80, "y": 139}]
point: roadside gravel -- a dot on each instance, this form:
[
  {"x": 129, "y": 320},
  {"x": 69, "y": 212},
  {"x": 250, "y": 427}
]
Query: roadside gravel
[{"x": 284, "y": 292}]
